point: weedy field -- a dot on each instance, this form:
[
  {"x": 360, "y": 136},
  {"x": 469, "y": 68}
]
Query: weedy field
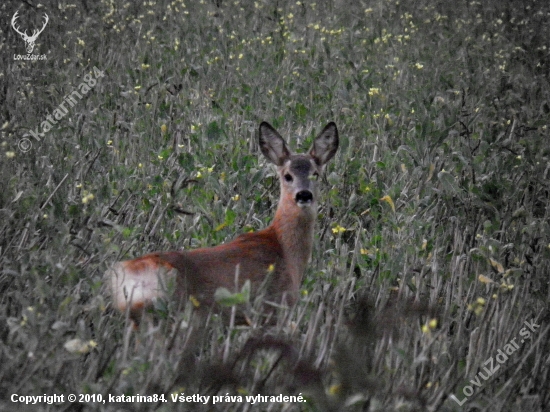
[{"x": 429, "y": 284}]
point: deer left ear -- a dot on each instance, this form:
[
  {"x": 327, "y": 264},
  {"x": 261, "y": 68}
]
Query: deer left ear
[{"x": 325, "y": 145}]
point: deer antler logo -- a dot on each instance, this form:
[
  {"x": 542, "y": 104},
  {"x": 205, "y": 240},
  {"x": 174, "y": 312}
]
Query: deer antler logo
[{"x": 29, "y": 40}]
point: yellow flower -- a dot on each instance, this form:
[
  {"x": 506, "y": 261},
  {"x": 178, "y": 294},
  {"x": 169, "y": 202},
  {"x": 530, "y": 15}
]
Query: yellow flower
[
  {"x": 194, "y": 301},
  {"x": 477, "y": 306},
  {"x": 338, "y": 229},
  {"x": 335, "y": 389},
  {"x": 163, "y": 128},
  {"x": 506, "y": 286},
  {"x": 389, "y": 201},
  {"x": 484, "y": 279},
  {"x": 79, "y": 346},
  {"x": 424, "y": 244},
  {"x": 374, "y": 91},
  {"x": 87, "y": 197}
]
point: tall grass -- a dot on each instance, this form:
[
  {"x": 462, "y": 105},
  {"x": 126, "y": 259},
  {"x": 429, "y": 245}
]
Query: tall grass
[{"x": 433, "y": 239}]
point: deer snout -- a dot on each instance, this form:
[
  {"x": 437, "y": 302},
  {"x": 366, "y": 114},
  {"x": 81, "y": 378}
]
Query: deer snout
[{"x": 304, "y": 197}]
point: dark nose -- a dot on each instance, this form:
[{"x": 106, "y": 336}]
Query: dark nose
[{"x": 304, "y": 196}]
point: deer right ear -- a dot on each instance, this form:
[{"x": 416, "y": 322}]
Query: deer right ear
[{"x": 273, "y": 145}]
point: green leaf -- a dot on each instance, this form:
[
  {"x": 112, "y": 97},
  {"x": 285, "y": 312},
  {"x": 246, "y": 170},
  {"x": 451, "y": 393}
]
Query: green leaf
[
  {"x": 165, "y": 154},
  {"x": 74, "y": 210},
  {"x": 126, "y": 233},
  {"x": 225, "y": 298},
  {"x": 187, "y": 161},
  {"x": 213, "y": 131},
  {"x": 448, "y": 182},
  {"x": 301, "y": 111},
  {"x": 230, "y": 216}
]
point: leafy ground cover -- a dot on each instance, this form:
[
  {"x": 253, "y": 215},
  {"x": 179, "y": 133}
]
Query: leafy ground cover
[{"x": 428, "y": 288}]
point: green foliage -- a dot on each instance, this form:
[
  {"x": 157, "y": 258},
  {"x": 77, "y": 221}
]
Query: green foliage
[
  {"x": 224, "y": 297},
  {"x": 436, "y": 205}
]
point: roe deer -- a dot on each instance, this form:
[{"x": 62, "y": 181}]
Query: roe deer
[{"x": 280, "y": 251}]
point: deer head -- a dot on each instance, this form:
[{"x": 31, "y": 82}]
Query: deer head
[{"x": 29, "y": 40}]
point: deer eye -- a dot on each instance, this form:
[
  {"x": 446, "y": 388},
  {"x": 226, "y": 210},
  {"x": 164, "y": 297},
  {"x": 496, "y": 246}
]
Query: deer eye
[
  {"x": 288, "y": 177},
  {"x": 315, "y": 176}
]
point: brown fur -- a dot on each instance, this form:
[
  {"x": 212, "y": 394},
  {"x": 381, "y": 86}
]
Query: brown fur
[{"x": 284, "y": 247}]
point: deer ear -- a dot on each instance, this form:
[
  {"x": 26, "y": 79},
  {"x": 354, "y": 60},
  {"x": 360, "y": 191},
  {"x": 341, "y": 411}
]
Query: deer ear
[
  {"x": 273, "y": 145},
  {"x": 325, "y": 145}
]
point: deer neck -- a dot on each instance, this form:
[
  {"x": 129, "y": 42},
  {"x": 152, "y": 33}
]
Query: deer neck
[{"x": 294, "y": 229}]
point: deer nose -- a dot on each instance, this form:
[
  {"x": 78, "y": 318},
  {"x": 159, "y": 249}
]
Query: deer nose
[{"x": 304, "y": 196}]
